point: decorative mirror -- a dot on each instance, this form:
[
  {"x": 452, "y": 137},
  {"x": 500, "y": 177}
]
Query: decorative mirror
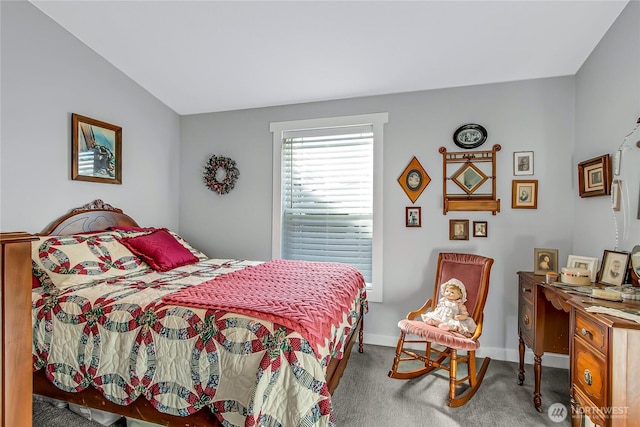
[{"x": 469, "y": 178}]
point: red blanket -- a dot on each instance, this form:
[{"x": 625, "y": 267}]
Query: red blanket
[{"x": 305, "y": 296}]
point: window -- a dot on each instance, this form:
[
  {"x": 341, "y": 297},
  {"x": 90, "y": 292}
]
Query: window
[{"x": 327, "y": 187}]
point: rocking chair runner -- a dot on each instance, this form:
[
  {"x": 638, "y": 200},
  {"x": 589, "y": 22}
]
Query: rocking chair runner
[{"x": 473, "y": 271}]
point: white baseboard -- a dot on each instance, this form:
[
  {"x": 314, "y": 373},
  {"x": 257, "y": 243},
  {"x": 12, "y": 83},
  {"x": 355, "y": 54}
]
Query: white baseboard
[{"x": 551, "y": 360}]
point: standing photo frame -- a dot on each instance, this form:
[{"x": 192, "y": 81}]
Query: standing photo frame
[
  {"x": 524, "y": 194},
  {"x": 545, "y": 260},
  {"x": 591, "y": 264},
  {"x": 523, "y": 163},
  {"x": 413, "y": 216},
  {"x": 594, "y": 177},
  {"x": 614, "y": 268},
  {"x": 96, "y": 150}
]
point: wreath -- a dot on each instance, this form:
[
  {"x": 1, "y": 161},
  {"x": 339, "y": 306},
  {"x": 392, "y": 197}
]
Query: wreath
[{"x": 210, "y": 176}]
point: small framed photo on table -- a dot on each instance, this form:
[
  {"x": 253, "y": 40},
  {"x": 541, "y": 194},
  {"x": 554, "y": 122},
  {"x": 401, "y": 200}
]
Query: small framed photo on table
[
  {"x": 614, "y": 268},
  {"x": 545, "y": 260},
  {"x": 413, "y": 216}
]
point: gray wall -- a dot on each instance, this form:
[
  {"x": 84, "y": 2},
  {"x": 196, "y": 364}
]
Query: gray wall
[
  {"x": 47, "y": 74},
  {"x": 532, "y": 115},
  {"x": 607, "y": 107}
]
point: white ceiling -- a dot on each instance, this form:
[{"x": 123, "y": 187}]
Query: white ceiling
[{"x": 207, "y": 56}]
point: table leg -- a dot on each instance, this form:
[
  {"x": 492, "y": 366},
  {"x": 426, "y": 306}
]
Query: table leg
[
  {"x": 537, "y": 371},
  {"x": 521, "y": 358}
]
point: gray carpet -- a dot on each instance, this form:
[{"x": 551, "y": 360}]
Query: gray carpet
[{"x": 367, "y": 397}]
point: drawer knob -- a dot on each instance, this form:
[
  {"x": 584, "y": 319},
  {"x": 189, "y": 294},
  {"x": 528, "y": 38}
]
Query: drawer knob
[
  {"x": 585, "y": 332},
  {"x": 588, "y": 379},
  {"x": 526, "y": 319}
]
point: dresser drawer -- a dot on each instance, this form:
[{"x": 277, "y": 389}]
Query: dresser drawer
[
  {"x": 526, "y": 290},
  {"x": 589, "y": 374},
  {"x": 590, "y": 331},
  {"x": 588, "y": 409},
  {"x": 526, "y": 322}
]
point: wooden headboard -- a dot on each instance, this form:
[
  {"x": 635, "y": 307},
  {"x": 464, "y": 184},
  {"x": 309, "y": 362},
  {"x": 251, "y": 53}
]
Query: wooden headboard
[{"x": 94, "y": 216}]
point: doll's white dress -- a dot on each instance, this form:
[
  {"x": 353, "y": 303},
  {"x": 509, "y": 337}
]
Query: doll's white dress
[{"x": 445, "y": 313}]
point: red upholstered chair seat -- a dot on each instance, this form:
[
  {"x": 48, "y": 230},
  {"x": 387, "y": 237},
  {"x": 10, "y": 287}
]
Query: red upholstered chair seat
[{"x": 438, "y": 336}]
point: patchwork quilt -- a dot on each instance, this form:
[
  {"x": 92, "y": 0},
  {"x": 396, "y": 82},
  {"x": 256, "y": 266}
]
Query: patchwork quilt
[{"x": 118, "y": 335}]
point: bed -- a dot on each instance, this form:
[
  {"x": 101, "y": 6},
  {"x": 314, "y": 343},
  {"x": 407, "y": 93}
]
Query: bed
[{"x": 127, "y": 322}]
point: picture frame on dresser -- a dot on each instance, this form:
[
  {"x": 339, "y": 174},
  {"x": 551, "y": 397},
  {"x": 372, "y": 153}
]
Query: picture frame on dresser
[
  {"x": 545, "y": 260},
  {"x": 590, "y": 263},
  {"x": 96, "y": 150},
  {"x": 613, "y": 268}
]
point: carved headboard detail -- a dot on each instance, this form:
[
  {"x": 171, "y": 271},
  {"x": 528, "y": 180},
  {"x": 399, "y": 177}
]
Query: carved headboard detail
[{"x": 94, "y": 216}]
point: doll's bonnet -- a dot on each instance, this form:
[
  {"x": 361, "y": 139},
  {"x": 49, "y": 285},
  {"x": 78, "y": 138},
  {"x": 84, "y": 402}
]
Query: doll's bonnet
[{"x": 456, "y": 283}]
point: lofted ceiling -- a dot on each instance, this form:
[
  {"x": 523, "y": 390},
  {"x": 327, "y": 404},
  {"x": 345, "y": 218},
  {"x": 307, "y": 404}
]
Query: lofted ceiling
[{"x": 208, "y": 56}]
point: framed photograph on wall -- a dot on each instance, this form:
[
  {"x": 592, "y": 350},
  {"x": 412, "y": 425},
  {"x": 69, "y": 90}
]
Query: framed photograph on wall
[
  {"x": 96, "y": 150},
  {"x": 594, "y": 177},
  {"x": 480, "y": 229},
  {"x": 591, "y": 264},
  {"x": 545, "y": 260},
  {"x": 523, "y": 163},
  {"x": 524, "y": 194},
  {"x": 413, "y": 216},
  {"x": 614, "y": 268},
  {"x": 458, "y": 229}
]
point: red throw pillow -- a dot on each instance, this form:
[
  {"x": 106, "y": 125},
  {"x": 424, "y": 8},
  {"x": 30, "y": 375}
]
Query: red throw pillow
[{"x": 160, "y": 250}]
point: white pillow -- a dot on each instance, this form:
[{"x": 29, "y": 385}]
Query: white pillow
[{"x": 84, "y": 258}]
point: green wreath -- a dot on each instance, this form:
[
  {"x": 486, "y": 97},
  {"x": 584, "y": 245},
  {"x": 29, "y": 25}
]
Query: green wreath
[{"x": 210, "y": 178}]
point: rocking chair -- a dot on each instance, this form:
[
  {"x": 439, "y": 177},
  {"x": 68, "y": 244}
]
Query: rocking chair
[{"x": 473, "y": 271}]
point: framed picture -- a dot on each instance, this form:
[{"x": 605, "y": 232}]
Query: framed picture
[
  {"x": 614, "y": 268},
  {"x": 96, "y": 151},
  {"x": 615, "y": 194},
  {"x": 458, "y": 229},
  {"x": 523, "y": 163},
  {"x": 591, "y": 264},
  {"x": 524, "y": 194},
  {"x": 413, "y": 216},
  {"x": 414, "y": 179},
  {"x": 545, "y": 260},
  {"x": 594, "y": 177},
  {"x": 480, "y": 229}
]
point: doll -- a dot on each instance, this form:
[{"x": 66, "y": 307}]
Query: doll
[{"x": 451, "y": 314}]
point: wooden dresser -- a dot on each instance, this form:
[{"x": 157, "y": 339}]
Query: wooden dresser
[
  {"x": 543, "y": 324},
  {"x": 15, "y": 318},
  {"x": 605, "y": 362}
]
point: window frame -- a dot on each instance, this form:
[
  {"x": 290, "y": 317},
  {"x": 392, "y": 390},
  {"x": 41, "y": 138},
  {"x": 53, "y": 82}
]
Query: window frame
[{"x": 377, "y": 121}]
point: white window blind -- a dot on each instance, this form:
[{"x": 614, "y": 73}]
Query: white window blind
[{"x": 327, "y": 196}]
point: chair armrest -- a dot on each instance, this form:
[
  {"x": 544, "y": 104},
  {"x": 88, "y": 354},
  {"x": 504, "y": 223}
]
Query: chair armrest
[
  {"x": 427, "y": 305},
  {"x": 478, "y": 331}
]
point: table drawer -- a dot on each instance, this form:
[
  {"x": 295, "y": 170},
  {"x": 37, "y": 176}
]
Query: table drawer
[
  {"x": 589, "y": 375},
  {"x": 590, "y": 331}
]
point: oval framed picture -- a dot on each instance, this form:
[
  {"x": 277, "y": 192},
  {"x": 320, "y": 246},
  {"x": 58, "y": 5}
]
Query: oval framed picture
[{"x": 470, "y": 136}]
